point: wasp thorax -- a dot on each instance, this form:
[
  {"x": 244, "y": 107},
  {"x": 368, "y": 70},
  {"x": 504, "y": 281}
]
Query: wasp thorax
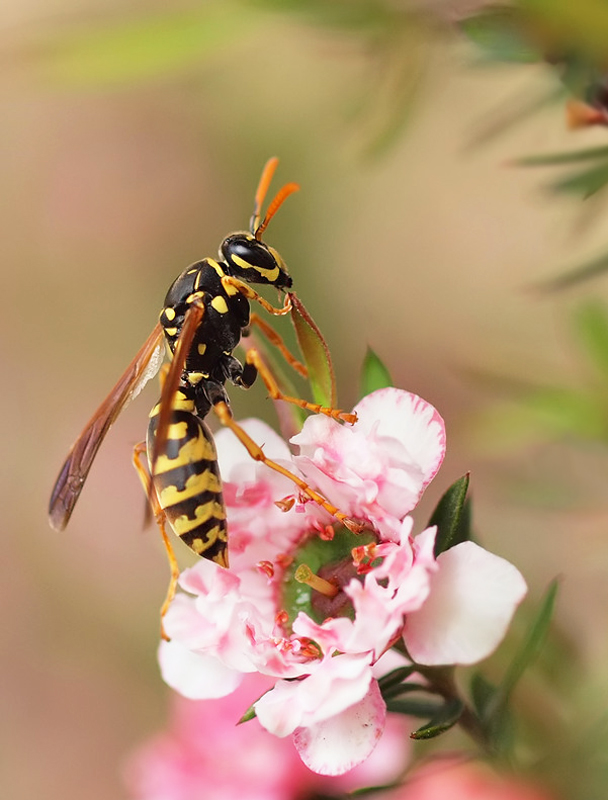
[{"x": 254, "y": 261}]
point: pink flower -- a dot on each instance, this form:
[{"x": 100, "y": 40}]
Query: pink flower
[
  {"x": 206, "y": 754},
  {"x": 451, "y": 779},
  {"x": 317, "y": 631}
]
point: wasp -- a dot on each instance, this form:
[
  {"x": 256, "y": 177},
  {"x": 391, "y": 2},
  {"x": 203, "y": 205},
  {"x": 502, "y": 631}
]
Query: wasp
[{"x": 206, "y": 312}]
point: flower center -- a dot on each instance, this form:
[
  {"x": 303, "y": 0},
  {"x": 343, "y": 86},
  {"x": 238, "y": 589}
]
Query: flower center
[{"x": 314, "y": 582}]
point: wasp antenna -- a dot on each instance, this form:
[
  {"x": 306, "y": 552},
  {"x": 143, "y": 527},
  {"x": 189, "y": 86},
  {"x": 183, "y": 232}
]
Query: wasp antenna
[
  {"x": 278, "y": 201},
  {"x": 260, "y": 195}
]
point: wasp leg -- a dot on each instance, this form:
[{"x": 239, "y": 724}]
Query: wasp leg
[
  {"x": 276, "y": 341},
  {"x": 254, "y": 358},
  {"x": 232, "y": 285},
  {"x": 255, "y": 451},
  {"x": 139, "y": 452}
]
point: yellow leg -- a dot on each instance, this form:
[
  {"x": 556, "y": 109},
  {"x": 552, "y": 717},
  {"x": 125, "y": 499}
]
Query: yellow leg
[
  {"x": 230, "y": 284},
  {"x": 253, "y": 357},
  {"x": 139, "y": 452},
  {"x": 256, "y": 452},
  {"x": 276, "y": 341}
]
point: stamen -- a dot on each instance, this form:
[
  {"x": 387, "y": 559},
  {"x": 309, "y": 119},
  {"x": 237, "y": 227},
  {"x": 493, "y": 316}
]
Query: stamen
[
  {"x": 304, "y": 574},
  {"x": 286, "y": 504},
  {"x": 267, "y": 567}
]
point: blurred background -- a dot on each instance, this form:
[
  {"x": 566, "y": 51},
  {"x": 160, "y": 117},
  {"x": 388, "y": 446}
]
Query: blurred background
[{"x": 131, "y": 142}]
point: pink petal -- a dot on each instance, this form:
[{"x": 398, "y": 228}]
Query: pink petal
[
  {"x": 193, "y": 675},
  {"x": 336, "y": 745},
  {"x": 395, "y": 414},
  {"x": 473, "y": 597}
]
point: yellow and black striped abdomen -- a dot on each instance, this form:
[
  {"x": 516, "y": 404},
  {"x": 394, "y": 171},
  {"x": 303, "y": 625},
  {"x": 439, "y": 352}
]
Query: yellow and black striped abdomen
[{"x": 187, "y": 481}]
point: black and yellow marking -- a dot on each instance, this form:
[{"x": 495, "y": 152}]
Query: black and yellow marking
[{"x": 187, "y": 480}]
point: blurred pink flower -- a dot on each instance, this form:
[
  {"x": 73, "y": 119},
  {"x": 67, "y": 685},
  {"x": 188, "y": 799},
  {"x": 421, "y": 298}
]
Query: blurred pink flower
[
  {"x": 254, "y": 618},
  {"x": 206, "y": 754},
  {"x": 454, "y": 779}
]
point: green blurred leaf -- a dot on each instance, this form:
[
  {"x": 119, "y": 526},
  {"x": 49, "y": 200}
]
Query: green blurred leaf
[
  {"x": 585, "y": 183},
  {"x": 248, "y": 715},
  {"x": 374, "y": 375},
  {"x": 571, "y": 157},
  {"x": 452, "y": 516},
  {"x": 591, "y": 322},
  {"x": 144, "y": 47},
  {"x": 395, "y": 677},
  {"x": 482, "y": 694},
  {"x": 414, "y": 707},
  {"x": 446, "y": 718},
  {"x": 501, "y": 36},
  {"x": 402, "y": 689},
  {"x": 586, "y": 272},
  {"x": 566, "y": 412},
  {"x": 529, "y": 649},
  {"x": 316, "y": 355}
]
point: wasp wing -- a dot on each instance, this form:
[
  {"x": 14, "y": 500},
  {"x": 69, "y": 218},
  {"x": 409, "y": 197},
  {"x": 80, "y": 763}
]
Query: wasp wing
[
  {"x": 192, "y": 320},
  {"x": 76, "y": 467}
]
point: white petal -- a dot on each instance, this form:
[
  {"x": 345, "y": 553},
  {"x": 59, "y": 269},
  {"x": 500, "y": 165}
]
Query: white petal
[
  {"x": 473, "y": 597},
  {"x": 339, "y": 743},
  {"x": 193, "y": 675}
]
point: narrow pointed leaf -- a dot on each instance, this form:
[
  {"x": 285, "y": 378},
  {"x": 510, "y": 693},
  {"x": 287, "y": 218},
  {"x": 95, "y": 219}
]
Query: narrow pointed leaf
[
  {"x": 402, "y": 689},
  {"x": 374, "y": 375},
  {"x": 585, "y": 272},
  {"x": 395, "y": 677},
  {"x": 571, "y": 157},
  {"x": 452, "y": 516},
  {"x": 530, "y": 648},
  {"x": 482, "y": 694},
  {"x": 414, "y": 707},
  {"x": 448, "y": 716},
  {"x": 591, "y": 321},
  {"x": 500, "y": 35},
  {"x": 316, "y": 355},
  {"x": 585, "y": 183}
]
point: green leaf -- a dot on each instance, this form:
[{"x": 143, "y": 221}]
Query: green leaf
[
  {"x": 248, "y": 715},
  {"x": 316, "y": 354},
  {"x": 414, "y": 707},
  {"x": 586, "y": 272},
  {"x": 565, "y": 412},
  {"x": 482, "y": 694},
  {"x": 530, "y": 647},
  {"x": 143, "y": 47},
  {"x": 446, "y": 718},
  {"x": 452, "y": 516},
  {"x": 591, "y": 321},
  {"x": 571, "y": 157},
  {"x": 585, "y": 183},
  {"x": 402, "y": 689},
  {"x": 500, "y": 34},
  {"x": 395, "y": 677},
  {"x": 374, "y": 375}
]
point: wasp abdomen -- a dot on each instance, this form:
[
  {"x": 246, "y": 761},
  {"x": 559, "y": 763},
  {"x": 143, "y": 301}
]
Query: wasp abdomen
[{"x": 187, "y": 481}]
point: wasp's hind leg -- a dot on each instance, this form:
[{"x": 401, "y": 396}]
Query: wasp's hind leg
[
  {"x": 139, "y": 455},
  {"x": 255, "y": 451}
]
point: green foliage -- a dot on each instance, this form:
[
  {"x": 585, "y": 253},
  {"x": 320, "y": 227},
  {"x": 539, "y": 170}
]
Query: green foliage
[
  {"x": 452, "y": 516},
  {"x": 500, "y": 35},
  {"x": 491, "y": 702},
  {"x": 143, "y": 47},
  {"x": 374, "y": 374},
  {"x": 591, "y": 324},
  {"x": 316, "y": 355},
  {"x": 446, "y": 717}
]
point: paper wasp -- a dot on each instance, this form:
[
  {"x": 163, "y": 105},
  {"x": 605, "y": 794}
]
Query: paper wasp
[{"x": 205, "y": 314}]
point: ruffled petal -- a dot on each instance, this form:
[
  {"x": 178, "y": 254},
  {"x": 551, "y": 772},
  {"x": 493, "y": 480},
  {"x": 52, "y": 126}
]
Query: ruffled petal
[{"x": 336, "y": 745}]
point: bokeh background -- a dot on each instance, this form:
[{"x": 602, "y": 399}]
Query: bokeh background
[{"x": 131, "y": 141}]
